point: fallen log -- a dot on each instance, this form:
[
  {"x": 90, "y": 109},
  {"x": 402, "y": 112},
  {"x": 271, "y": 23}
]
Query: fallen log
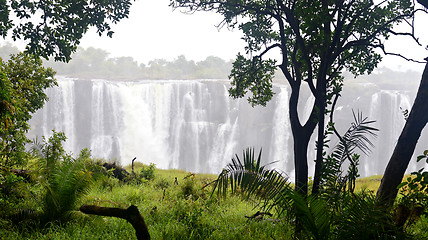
[
  {"x": 118, "y": 171},
  {"x": 131, "y": 214},
  {"x": 259, "y": 215},
  {"x": 22, "y": 173}
]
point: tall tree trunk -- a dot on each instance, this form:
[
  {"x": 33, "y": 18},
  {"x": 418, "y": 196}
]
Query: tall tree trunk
[
  {"x": 321, "y": 101},
  {"x": 301, "y": 137},
  {"x": 424, "y": 3},
  {"x": 301, "y": 142},
  {"x": 319, "y": 157},
  {"x": 321, "y": 109},
  {"x": 406, "y": 144}
]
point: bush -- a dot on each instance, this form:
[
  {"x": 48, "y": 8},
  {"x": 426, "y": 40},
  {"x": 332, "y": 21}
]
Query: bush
[
  {"x": 162, "y": 183},
  {"x": 63, "y": 178},
  {"x": 148, "y": 172}
]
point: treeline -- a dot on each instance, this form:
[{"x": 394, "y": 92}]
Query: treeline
[
  {"x": 93, "y": 63},
  {"x": 96, "y": 63}
]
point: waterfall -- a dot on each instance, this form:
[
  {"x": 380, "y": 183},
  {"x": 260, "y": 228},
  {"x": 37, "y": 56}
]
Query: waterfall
[
  {"x": 386, "y": 108},
  {"x": 195, "y": 125},
  {"x": 64, "y": 110},
  {"x": 280, "y": 148}
]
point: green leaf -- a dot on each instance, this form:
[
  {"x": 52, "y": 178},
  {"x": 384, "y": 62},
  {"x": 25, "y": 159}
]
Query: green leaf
[
  {"x": 420, "y": 157},
  {"x": 401, "y": 185}
]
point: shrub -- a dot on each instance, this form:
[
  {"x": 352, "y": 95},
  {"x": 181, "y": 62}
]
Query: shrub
[
  {"x": 414, "y": 201},
  {"x": 63, "y": 178},
  {"x": 188, "y": 189},
  {"x": 162, "y": 183},
  {"x": 148, "y": 172}
]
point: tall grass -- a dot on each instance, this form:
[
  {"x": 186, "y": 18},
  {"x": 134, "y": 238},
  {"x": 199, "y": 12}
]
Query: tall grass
[{"x": 188, "y": 211}]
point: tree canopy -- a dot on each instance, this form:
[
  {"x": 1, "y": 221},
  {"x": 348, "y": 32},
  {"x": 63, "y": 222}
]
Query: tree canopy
[
  {"x": 23, "y": 80},
  {"x": 96, "y": 63},
  {"x": 54, "y": 28},
  {"x": 317, "y": 41}
]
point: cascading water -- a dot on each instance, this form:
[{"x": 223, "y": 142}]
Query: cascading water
[
  {"x": 194, "y": 125},
  {"x": 62, "y": 118},
  {"x": 386, "y": 108},
  {"x": 191, "y": 125}
]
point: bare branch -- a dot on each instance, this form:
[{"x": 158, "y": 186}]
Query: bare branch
[
  {"x": 366, "y": 41},
  {"x": 268, "y": 49},
  {"x": 412, "y": 35},
  {"x": 399, "y": 55}
]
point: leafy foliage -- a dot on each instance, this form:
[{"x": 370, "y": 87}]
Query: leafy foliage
[
  {"x": 252, "y": 179},
  {"x": 23, "y": 80},
  {"x": 304, "y": 32},
  {"x": 360, "y": 216},
  {"x": 148, "y": 172},
  {"x": 415, "y": 193},
  {"x": 54, "y": 28},
  {"x": 314, "y": 215},
  {"x": 316, "y": 41},
  {"x": 63, "y": 178},
  {"x": 356, "y": 137},
  {"x": 13, "y": 192},
  {"x": 330, "y": 215},
  {"x": 255, "y": 75}
]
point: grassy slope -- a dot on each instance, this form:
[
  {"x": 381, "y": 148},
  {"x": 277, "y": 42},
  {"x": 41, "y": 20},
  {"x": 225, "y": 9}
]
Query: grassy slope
[
  {"x": 368, "y": 183},
  {"x": 171, "y": 211}
]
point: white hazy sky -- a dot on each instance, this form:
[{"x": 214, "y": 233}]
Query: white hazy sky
[{"x": 153, "y": 30}]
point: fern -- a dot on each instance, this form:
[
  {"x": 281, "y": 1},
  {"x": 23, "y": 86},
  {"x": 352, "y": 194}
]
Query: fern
[
  {"x": 361, "y": 217},
  {"x": 64, "y": 179},
  {"x": 313, "y": 216}
]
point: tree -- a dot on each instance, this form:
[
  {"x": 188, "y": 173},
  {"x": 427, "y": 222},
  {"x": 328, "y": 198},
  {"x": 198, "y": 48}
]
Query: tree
[
  {"x": 54, "y": 28},
  {"x": 181, "y": 68},
  {"x": 90, "y": 62},
  {"x": 213, "y": 67},
  {"x": 23, "y": 80},
  {"x": 407, "y": 141},
  {"x": 50, "y": 28},
  {"x": 423, "y": 3},
  {"x": 403, "y": 151},
  {"x": 316, "y": 41}
]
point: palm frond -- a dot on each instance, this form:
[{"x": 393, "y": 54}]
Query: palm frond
[
  {"x": 253, "y": 179},
  {"x": 356, "y": 137},
  {"x": 36, "y": 147},
  {"x": 64, "y": 188}
]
